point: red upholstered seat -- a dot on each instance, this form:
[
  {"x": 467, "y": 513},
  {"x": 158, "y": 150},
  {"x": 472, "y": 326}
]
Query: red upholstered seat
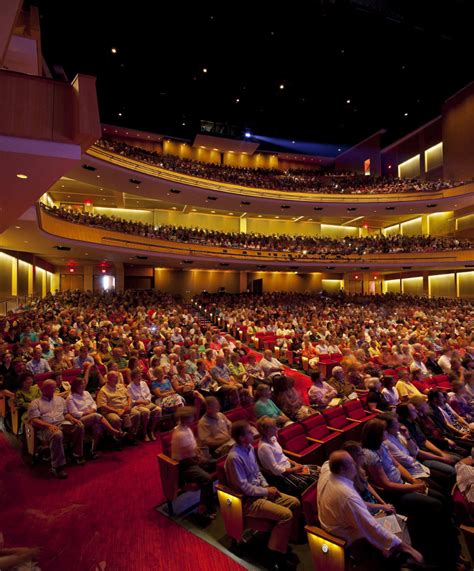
[
  {"x": 309, "y": 505},
  {"x": 293, "y": 440},
  {"x": 236, "y": 414},
  {"x": 354, "y": 409},
  {"x": 440, "y": 381},
  {"x": 315, "y": 427},
  {"x": 336, "y": 418},
  {"x": 390, "y": 373}
]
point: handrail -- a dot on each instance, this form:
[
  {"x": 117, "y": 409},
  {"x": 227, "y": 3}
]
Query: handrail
[
  {"x": 56, "y": 226},
  {"x": 180, "y": 178}
]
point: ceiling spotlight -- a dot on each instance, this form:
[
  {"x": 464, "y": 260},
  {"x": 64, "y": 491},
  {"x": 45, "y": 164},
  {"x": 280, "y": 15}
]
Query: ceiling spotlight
[
  {"x": 237, "y": 100},
  {"x": 282, "y": 86},
  {"x": 405, "y": 114},
  {"x": 348, "y": 101},
  {"x": 293, "y": 142},
  {"x": 22, "y": 176},
  {"x": 248, "y": 135},
  {"x": 120, "y": 114},
  {"x": 18, "y": 227},
  {"x": 204, "y": 70}
]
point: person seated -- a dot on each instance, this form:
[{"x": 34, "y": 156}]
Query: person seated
[
  {"x": 375, "y": 398},
  {"x": 193, "y": 466},
  {"x": 389, "y": 391},
  {"x": 375, "y": 504},
  {"x": 340, "y": 383},
  {"x": 320, "y": 392},
  {"x": 120, "y": 360},
  {"x": 405, "y": 450},
  {"x": 114, "y": 402},
  {"x": 405, "y": 388},
  {"x": 214, "y": 429},
  {"x": 418, "y": 363},
  {"x": 458, "y": 401},
  {"x": 255, "y": 375},
  {"x": 311, "y": 353},
  {"x": 24, "y": 396},
  {"x": 426, "y": 508},
  {"x": 38, "y": 365},
  {"x": 289, "y": 400},
  {"x": 59, "y": 362},
  {"x": 448, "y": 420},
  {"x": 444, "y": 360},
  {"x": 162, "y": 389},
  {"x": 82, "y": 406},
  {"x": 63, "y": 388},
  {"x": 343, "y": 513},
  {"x": 238, "y": 372},
  {"x": 465, "y": 483},
  {"x": 431, "y": 455},
  {"x": 83, "y": 358},
  {"x": 285, "y": 474},
  {"x": 55, "y": 425},
  {"x": 264, "y": 406},
  {"x": 141, "y": 402},
  {"x": 270, "y": 366},
  {"x": 221, "y": 374},
  {"x": 261, "y": 500}
]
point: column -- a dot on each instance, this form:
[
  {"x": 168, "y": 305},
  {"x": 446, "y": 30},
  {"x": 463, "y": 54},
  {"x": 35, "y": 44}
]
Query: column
[
  {"x": 243, "y": 225},
  {"x": 31, "y": 279},
  {"x": 88, "y": 277},
  {"x": 425, "y": 224},
  {"x": 14, "y": 276},
  {"x": 119, "y": 277},
  {"x": 243, "y": 281},
  {"x": 55, "y": 281}
]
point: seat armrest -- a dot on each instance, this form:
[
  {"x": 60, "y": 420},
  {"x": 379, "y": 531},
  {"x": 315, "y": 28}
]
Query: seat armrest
[
  {"x": 230, "y": 491},
  {"x": 354, "y": 419},
  {"x": 314, "y": 530},
  {"x": 314, "y": 440},
  {"x": 294, "y": 455},
  {"x": 335, "y": 429}
]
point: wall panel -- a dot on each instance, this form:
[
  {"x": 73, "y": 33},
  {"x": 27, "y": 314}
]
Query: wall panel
[{"x": 442, "y": 285}]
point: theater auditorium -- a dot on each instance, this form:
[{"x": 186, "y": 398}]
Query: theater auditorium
[{"x": 236, "y": 286}]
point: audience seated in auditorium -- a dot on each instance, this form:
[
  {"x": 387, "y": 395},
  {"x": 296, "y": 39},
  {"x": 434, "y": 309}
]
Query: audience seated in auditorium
[
  {"x": 49, "y": 415},
  {"x": 214, "y": 429},
  {"x": 261, "y": 500},
  {"x": 264, "y": 406}
]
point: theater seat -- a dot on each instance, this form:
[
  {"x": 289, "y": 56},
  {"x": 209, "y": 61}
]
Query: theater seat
[
  {"x": 327, "y": 550},
  {"x": 231, "y": 507},
  {"x": 317, "y": 431},
  {"x": 337, "y": 420},
  {"x": 354, "y": 411},
  {"x": 296, "y": 446}
]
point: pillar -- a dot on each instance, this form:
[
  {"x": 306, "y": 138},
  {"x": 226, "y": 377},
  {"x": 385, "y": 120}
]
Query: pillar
[
  {"x": 14, "y": 276},
  {"x": 243, "y": 281},
  {"x": 55, "y": 281},
  {"x": 88, "y": 277},
  {"x": 425, "y": 224},
  {"x": 243, "y": 225},
  {"x": 31, "y": 279},
  {"x": 119, "y": 277},
  {"x": 426, "y": 284}
]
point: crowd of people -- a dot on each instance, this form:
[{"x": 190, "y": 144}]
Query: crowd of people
[
  {"x": 292, "y": 180},
  {"x": 300, "y": 245},
  {"x": 140, "y": 356}
]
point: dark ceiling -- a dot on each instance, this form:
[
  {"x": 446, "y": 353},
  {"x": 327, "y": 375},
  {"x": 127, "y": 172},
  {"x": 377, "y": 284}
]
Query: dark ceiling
[{"x": 348, "y": 68}]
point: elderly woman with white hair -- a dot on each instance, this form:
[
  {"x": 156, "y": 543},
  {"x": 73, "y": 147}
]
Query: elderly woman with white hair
[{"x": 285, "y": 474}]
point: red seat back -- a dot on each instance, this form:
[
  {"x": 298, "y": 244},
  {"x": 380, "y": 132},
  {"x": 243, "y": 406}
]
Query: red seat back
[
  {"x": 335, "y": 417},
  {"x": 293, "y": 438},
  {"x": 354, "y": 409},
  {"x": 309, "y": 504},
  {"x": 315, "y": 426}
]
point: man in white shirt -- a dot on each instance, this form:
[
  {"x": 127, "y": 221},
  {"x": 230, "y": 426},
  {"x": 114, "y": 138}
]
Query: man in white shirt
[
  {"x": 50, "y": 416},
  {"x": 38, "y": 365},
  {"x": 270, "y": 366},
  {"x": 342, "y": 512},
  {"x": 445, "y": 361},
  {"x": 192, "y": 465}
]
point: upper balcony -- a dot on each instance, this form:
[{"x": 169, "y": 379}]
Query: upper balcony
[
  {"x": 185, "y": 178},
  {"x": 245, "y": 258}
]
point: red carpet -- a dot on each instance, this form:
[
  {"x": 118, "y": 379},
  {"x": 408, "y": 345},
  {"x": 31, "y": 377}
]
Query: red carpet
[{"x": 104, "y": 512}]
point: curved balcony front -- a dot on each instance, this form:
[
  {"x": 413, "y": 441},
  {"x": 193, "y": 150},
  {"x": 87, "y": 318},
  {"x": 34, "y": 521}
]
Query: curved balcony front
[{"x": 162, "y": 250}]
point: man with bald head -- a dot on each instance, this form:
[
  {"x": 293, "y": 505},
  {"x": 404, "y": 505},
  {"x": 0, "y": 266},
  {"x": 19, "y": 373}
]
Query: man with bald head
[
  {"x": 49, "y": 415},
  {"x": 115, "y": 403},
  {"x": 342, "y": 512},
  {"x": 270, "y": 366}
]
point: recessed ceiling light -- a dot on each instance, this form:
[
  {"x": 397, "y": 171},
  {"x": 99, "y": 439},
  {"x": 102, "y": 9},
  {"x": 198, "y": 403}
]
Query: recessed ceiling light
[
  {"x": 231, "y": 214},
  {"x": 259, "y": 215},
  {"x": 120, "y": 114},
  {"x": 282, "y": 86},
  {"x": 405, "y": 114},
  {"x": 348, "y": 101},
  {"x": 194, "y": 209},
  {"x": 25, "y": 241},
  {"x": 237, "y": 100},
  {"x": 22, "y": 176},
  {"x": 114, "y": 50},
  {"x": 204, "y": 70},
  {"x": 213, "y": 211},
  {"x": 277, "y": 217},
  {"x": 18, "y": 227},
  {"x": 86, "y": 254},
  {"x": 173, "y": 208}
]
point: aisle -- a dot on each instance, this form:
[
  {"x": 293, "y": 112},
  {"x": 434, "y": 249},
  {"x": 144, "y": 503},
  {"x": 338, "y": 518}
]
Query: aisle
[{"x": 104, "y": 512}]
